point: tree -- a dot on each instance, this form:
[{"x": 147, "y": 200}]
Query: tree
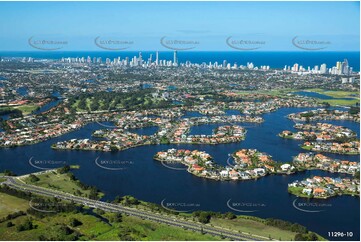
[
  {"x": 204, "y": 217},
  {"x": 82, "y": 104},
  {"x": 64, "y": 169},
  {"x": 75, "y": 222},
  {"x": 27, "y": 225},
  {"x": 9, "y": 224},
  {"x": 9, "y": 173},
  {"x": 93, "y": 193},
  {"x": 354, "y": 110},
  {"x": 33, "y": 178},
  {"x": 65, "y": 230},
  {"x": 313, "y": 237},
  {"x": 117, "y": 218},
  {"x": 230, "y": 215}
]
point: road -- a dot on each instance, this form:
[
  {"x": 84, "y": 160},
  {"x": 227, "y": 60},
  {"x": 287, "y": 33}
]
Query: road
[{"x": 161, "y": 218}]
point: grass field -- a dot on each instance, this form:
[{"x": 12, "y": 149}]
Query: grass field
[
  {"x": 10, "y": 204},
  {"x": 27, "y": 109},
  {"x": 335, "y": 94},
  {"x": 254, "y": 227},
  {"x": 51, "y": 226},
  {"x": 146, "y": 230},
  {"x": 338, "y": 94},
  {"x": 341, "y": 102},
  {"x": 60, "y": 182},
  {"x": 274, "y": 92}
]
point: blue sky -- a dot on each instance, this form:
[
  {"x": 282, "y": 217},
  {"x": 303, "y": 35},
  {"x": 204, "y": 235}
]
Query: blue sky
[{"x": 203, "y": 25}]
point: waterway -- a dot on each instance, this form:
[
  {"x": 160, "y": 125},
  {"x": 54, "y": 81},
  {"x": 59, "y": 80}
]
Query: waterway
[{"x": 147, "y": 179}]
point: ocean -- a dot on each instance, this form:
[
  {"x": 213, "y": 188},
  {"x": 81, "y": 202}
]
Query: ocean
[{"x": 275, "y": 59}]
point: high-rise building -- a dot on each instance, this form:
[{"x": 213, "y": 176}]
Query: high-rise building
[
  {"x": 175, "y": 58},
  {"x": 338, "y": 65},
  {"x": 295, "y": 67},
  {"x": 323, "y": 68},
  {"x": 156, "y": 58},
  {"x": 345, "y": 67},
  {"x": 140, "y": 60}
]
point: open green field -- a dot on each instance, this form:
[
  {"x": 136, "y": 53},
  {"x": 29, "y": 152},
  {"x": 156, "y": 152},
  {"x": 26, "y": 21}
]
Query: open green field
[
  {"x": 254, "y": 227},
  {"x": 340, "y": 102},
  {"x": 139, "y": 229},
  {"x": 106, "y": 226},
  {"x": 27, "y": 108},
  {"x": 273, "y": 92},
  {"x": 10, "y": 204},
  {"x": 58, "y": 226},
  {"x": 334, "y": 94},
  {"x": 94, "y": 228},
  {"x": 61, "y": 182},
  {"x": 338, "y": 94}
]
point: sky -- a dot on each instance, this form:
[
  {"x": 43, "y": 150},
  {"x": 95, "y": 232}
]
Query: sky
[{"x": 224, "y": 26}]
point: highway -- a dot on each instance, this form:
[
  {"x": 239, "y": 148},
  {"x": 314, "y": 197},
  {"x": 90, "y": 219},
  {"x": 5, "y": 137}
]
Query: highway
[{"x": 165, "y": 219}]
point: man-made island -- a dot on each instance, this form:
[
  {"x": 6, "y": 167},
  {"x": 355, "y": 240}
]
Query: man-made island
[
  {"x": 348, "y": 148},
  {"x": 324, "y": 114},
  {"x": 324, "y": 187},
  {"x": 319, "y": 132},
  {"x": 251, "y": 164}
]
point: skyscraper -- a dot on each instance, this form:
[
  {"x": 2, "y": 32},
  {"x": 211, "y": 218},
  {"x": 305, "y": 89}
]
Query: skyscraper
[
  {"x": 323, "y": 68},
  {"x": 345, "y": 67},
  {"x": 156, "y": 58},
  {"x": 295, "y": 67},
  {"x": 140, "y": 60},
  {"x": 338, "y": 65},
  {"x": 175, "y": 58}
]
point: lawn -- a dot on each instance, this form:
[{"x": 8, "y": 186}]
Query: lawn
[
  {"x": 297, "y": 191},
  {"x": 10, "y": 204}
]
